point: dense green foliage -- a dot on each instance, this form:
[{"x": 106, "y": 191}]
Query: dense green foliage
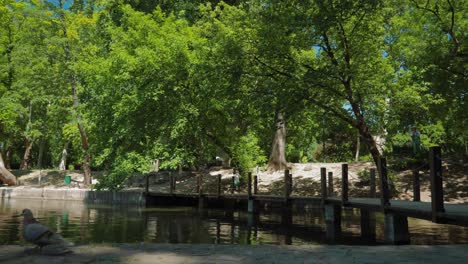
[{"x": 186, "y": 81}]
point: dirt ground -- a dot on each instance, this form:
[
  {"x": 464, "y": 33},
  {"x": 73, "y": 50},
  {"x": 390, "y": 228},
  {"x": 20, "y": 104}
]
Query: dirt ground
[
  {"x": 226, "y": 254},
  {"x": 306, "y": 180}
]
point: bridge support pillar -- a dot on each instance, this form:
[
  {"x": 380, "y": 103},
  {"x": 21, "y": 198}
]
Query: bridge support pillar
[
  {"x": 367, "y": 225},
  {"x": 333, "y": 220},
  {"x": 396, "y": 229},
  {"x": 201, "y": 202},
  {"x": 253, "y": 220},
  {"x": 252, "y": 206},
  {"x": 286, "y": 216}
]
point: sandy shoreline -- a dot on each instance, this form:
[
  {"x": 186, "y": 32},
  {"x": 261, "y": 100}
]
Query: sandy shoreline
[{"x": 196, "y": 253}]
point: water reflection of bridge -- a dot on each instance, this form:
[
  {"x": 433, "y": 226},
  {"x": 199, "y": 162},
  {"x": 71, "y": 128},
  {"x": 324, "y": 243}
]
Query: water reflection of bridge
[
  {"x": 125, "y": 224},
  {"x": 395, "y": 212}
]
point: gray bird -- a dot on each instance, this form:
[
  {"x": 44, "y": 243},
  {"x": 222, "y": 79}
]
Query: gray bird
[{"x": 48, "y": 241}]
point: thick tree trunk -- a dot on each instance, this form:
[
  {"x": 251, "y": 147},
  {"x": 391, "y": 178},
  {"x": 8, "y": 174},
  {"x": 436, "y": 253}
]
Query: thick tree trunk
[
  {"x": 368, "y": 139},
  {"x": 277, "y": 159},
  {"x": 87, "y": 168},
  {"x": 41, "y": 153},
  {"x": 27, "y": 155},
  {"x": 5, "y": 176},
  {"x": 63, "y": 159}
]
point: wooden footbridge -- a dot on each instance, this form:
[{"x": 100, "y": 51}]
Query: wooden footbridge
[{"x": 395, "y": 211}]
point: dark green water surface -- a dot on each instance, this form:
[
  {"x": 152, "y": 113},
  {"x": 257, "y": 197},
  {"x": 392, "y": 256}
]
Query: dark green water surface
[{"x": 84, "y": 224}]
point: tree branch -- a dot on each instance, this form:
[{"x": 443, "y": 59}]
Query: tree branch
[
  {"x": 329, "y": 49},
  {"x": 451, "y": 33},
  {"x": 340, "y": 114},
  {"x": 444, "y": 27},
  {"x": 346, "y": 52},
  {"x": 334, "y": 91},
  {"x": 273, "y": 68}
]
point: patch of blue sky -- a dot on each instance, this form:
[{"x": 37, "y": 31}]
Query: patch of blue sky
[
  {"x": 66, "y": 3},
  {"x": 318, "y": 50}
]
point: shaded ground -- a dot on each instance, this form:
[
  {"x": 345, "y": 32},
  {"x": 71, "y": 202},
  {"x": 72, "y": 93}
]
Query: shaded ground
[
  {"x": 306, "y": 180},
  {"x": 186, "y": 254}
]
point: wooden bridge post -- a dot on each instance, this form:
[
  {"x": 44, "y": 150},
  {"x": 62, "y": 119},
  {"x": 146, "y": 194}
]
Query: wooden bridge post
[
  {"x": 200, "y": 184},
  {"x": 286, "y": 215},
  {"x": 437, "y": 191},
  {"x": 323, "y": 184},
  {"x": 384, "y": 192},
  {"x": 287, "y": 185},
  {"x": 251, "y": 203},
  {"x": 372, "y": 183},
  {"x": 147, "y": 184},
  {"x": 416, "y": 186},
  {"x": 201, "y": 199},
  {"x": 330, "y": 183},
  {"x": 171, "y": 183},
  {"x": 344, "y": 183},
  {"x": 249, "y": 185},
  {"x": 233, "y": 185},
  {"x": 255, "y": 185},
  {"x": 219, "y": 185}
]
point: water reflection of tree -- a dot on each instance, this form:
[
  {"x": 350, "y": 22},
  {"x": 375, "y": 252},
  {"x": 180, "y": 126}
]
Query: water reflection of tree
[
  {"x": 98, "y": 223},
  {"x": 9, "y": 223},
  {"x": 117, "y": 224}
]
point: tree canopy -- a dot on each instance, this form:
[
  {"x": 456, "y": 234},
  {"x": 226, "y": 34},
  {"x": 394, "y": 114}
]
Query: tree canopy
[{"x": 115, "y": 85}]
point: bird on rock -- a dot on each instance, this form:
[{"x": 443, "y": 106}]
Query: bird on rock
[{"x": 48, "y": 241}]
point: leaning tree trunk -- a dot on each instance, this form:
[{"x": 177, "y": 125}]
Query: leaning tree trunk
[
  {"x": 6, "y": 176},
  {"x": 361, "y": 125},
  {"x": 277, "y": 159},
  {"x": 76, "y": 103},
  {"x": 369, "y": 140},
  {"x": 27, "y": 155}
]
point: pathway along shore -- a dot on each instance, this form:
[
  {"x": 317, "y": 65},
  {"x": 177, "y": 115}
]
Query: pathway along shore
[{"x": 230, "y": 254}]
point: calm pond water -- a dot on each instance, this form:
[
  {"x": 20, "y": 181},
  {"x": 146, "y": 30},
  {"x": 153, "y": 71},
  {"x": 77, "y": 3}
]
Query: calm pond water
[{"x": 84, "y": 224}]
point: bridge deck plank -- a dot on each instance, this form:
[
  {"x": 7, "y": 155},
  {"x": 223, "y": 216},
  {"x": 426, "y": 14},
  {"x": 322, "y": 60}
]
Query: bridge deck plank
[{"x": 454, "y": 213}]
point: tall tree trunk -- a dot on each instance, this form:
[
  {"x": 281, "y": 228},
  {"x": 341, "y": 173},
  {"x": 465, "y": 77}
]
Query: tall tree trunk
[
  {"x": 5, "y": 176},
  {"x": 63, "y": 159},
  {"x": 27, "y": 155},
  {"x": 84, "y": 137},
  {"x": 8, "y": 155},
  {"x": 277, "y": 159},
  {"x": 41, "y": 153},
  {"x": 76, "y": 104},
  {"x": 358, "y": 146}
]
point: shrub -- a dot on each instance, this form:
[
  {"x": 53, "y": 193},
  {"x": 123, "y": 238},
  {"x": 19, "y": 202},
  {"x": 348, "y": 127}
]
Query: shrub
[
  {"x": 123, "y": 168},
  {"x": 247, "y": 154}
]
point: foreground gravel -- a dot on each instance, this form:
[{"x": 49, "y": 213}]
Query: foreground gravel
[{"x": 226, "y": 254}]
